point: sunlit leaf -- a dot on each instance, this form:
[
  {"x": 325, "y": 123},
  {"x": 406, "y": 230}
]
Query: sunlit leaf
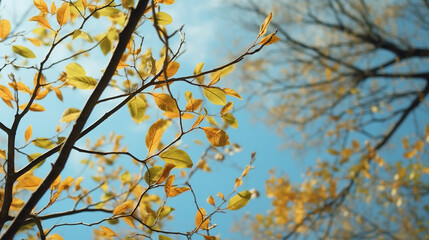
[
  {"x": 43, "y": 143},
  {"x": 75, "y": 70},
  {"x": 171, "y": 70},
  {"x": 198, "y": 121},
  {"x": 41, "y": 5},
  {"x": 226, "y": 108},
  {"x": 197, "y": 71},
  {"x": 54, "y": 236},
  {"x": 200, "y": 219},
  {"x": 194, "y": 104},
  {"x": 215, "y": 95},
  {"x": 23, "y": 51},
  {"x": 29, "y": 182},
  {"x": 123, "y": 207},
  {"x": 53, "y": 8},
  {"x": 270, "y": 39},
  {"x": 42, "y": 21},
  {"x": 232, "y": 92},
  {"x": 63, "y": 13},
  {"x": 70, "y": 115},
  {"x": 35, "y": 107},
  {"x": 177, "y": 157},
  {"x": 82, "y": 82},
  {"x": 137, "y": 108},
  {"x": 28, "y": 133},
  {"x": 211, "y": 200},
  {"x": 229, "y": 119},
  {"x": 165, "y": 172},
  {"x": 165, "y": 102},
  {"x": 154, "y": 134},
  {"x": 264, "y": 25},
  {"x": 162, "y": 18},
  {"x": 128, "y": 3},
  {"x": 153, "y": 174},
  {"x": 5, "y": 93},
  {"x": 105, "y": 45},
  {"x": 4, "y": 28},
  {"x": 216, "y": 137},
  {"x": 239, "y": 200},
  {"x": 166, "y": 2}
]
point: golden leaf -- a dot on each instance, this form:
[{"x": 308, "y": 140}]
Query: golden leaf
[
  {"x": 226, "y": 108},
  {"x": 137, "y": 107},
  {"x": 154, "y": 134},
  {"x": 63, "y": 13},
  {"x": 270, "y": 39},
  {"x": 41, "y": 5},
  {"x": 200, "y": 219},
  {"x": 215, "y": 95},
  {"x": 28, "y": 133},
  {"x": 123, "y": 207},
  {"x": 162, "y": 18},
  {"x": 240, "y": 200},
  {"x": 166, "y": 2},
  {"x": 4, "y": 28},
  {"x": 29, "y": 182},
  {"x": 53, "y": 8},
  {"x": 193, "y": 104},
  {"x": 264, "y": 25},
  {"x": 165, "y": 102},
  {"x": 42, "y": 21},
  {"x": 172, "y": 69},
  {"x": 177, "y": 157},
  {"x": 54, "y": 236},
  {"x": 165, "y": 172},
  {"x": 232, "y": 92},
  {"x": 197, "y": 71},
  {"x": 5, "y": 93},
  {"x": 70, "y": 115},
  {"x": 211, "y": 200},
  {"x": 198, "y": 121},
  {"x": 23, "y": 51},
  {"x": 216, "y": 137}
]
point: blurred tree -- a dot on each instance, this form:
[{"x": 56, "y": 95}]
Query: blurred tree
[
  {"x": 349, "y": 76},
  {"x": 38, "y": 73}
]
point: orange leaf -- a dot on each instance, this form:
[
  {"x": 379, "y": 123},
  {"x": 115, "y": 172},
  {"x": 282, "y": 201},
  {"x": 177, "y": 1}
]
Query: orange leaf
[
  {"x": 35, "y": 107},
  {"x": 165, "y": 102},
  {"x": 200, "y": 221},
  {"x": 193, "y": 104},
  {"x": 42, "y": 21},
  {"x": 123, "y": 207},
  {"x": 5, "y": 93},
  {"x": 232, "y": 92},
  {"x": 4, "y": 28},
  {"x": 165, "y": 172},
  {"x": 28, "y": 133},
  {"x": 216, "y": 137},
  {"x": 41, "y": 5},
  {"x": 211, "y": 200},
  {"x": 154, "y": 134},
  {"x": 63, "y": 14},
  {"x": 172, "y": 69}
]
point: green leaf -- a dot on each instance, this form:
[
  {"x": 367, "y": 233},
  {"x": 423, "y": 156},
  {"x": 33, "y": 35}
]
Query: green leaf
[
  {"x": 43, "y": 143},
  {"x": 177, "y": 157},
  {"x": 83, "y": 82},
  {"x": 215, "y": 95},
  {"x": 240, "y": 200},
  {"x": 153, "y": 174},
  {"x": 75, "y": 70},
  {"x": 137, "y": 108},
  {"x": 70, "y": 115},
  {"x": 229, "y": 119},
  {"x": 23, "y": 51}
]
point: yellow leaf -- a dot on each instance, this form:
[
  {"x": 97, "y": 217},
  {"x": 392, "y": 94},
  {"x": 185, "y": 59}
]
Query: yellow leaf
[
  {"x": 172, "y": 69},
  {"x": 221, "y": 196},
  {"x": 427, "y": 133},
  {"x": 264, "y": 25},
  {"x": 194, "y": 104},
  {"x": 206, "y": 237},
  {"x": 165, "y": 172},
  {"x": 153, "y": 174},
  {"x": 169, "y": 184},
  {"x": 105, "y": 45},
  {"x": 240, "y": 200},
  {"x": 29, "y": 182},
  {"x": 137, "y": 107},
  {"x": 41, "y": 5},
  {"x": 19, "y": 86},
  {"x": 109, "y": 232},
  {"x": 82, "y": 82},
  {"x": 163, "y": 237},
  {"x": 165, "y": 102},
  {"x": 166, "y": 2},
  {"x": 35, "y": 107},
  {"x": 5, "y": 93},
  {"x": 2, "y": 154},
  {"x": 16, "y": 204},
  {"x": 332, "y": 151},
  {"x": 36, "y": 42},
  {"x": 410, "y": 154},
  {"x": 215, "y": 77},
  {"x": 154, "y": 134},
  {"x": 4, "y": 28},
  {"x": 162, "y": 18},
  {"x": 63, "y": 13},
  {"x": 42, "y": 21},
  {"x": 229, "y": 119},
  {"x": 42, "y": 94},
  {"x": 56, "y": 183},
  {"x": 270, "y": 39},
  {"x": 232, "y": 92},
  {"x": 177, "y": 190},
  {"x": 129, "y": 221},
  {"x": 197, "y": 71},
  {"x": 426, "y": 170},
  {"x": 70, "y": 115},
  {"x": 23, "y": 51},
  {"x": 28, "y": 133},
  {"x": 66, "y": 184},
  {"x": 216, "y": 137},
  {"x": 211, "y": 200},
  {"x": 200, "y": 219},
  {"x": 328, "y": 74},
  {"x": 238, "y": 183},
  {"x": 128, "y": 4},
  {"x": 177, "y": 157},
  {"x": 198, "y": 121},
  {"x": 54, "y": 236},
  {"x": 75, "y": 70},
  {"x": 123, "y": 207},
  {"x": 215, "y": 95},
  {"x": 77, "y": 183}
]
